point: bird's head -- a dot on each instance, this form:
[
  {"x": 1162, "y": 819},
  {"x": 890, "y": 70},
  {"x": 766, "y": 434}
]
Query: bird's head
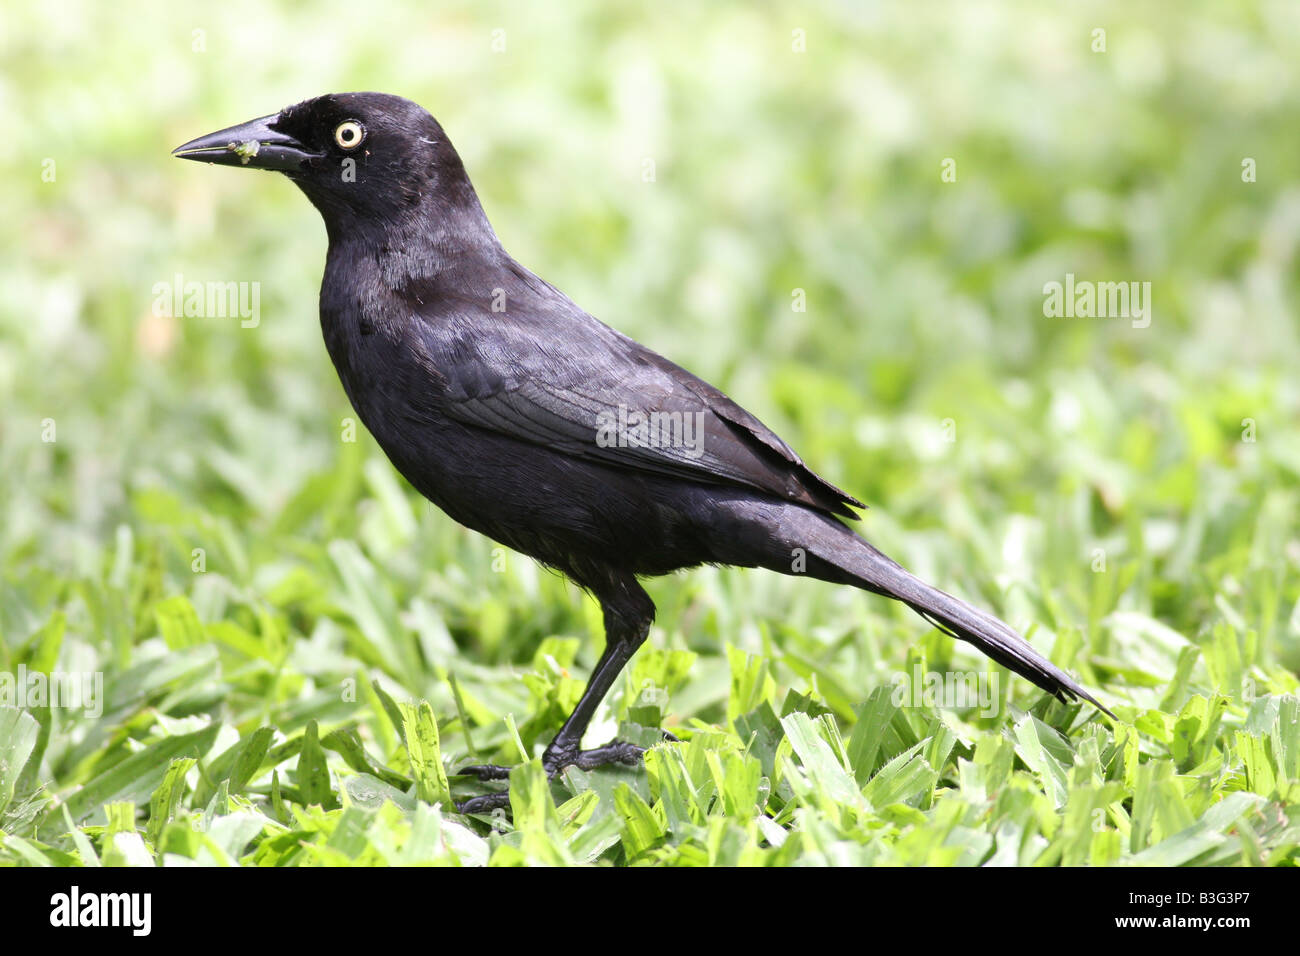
[{"x": 361, "y": 158}]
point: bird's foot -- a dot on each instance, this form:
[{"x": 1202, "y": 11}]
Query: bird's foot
[
  {"x": 553, "y": 761},
  {"x": 488, "y": 802}
]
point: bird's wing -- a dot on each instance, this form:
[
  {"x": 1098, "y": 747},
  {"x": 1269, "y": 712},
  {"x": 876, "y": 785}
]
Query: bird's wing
[{"x": 547, "y": 373}]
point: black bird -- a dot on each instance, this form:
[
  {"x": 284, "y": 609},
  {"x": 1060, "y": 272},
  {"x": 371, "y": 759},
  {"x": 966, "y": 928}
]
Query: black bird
[{"x": 526, "y": 419}]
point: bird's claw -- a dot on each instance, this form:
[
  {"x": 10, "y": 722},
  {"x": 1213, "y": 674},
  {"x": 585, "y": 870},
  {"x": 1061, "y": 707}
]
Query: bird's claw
[
  {"x": 485, "y": 803},
  {"x": 485, "y": 771},
  {"x": 616, "y": 751},
  {"x": 553, "y": 762}
]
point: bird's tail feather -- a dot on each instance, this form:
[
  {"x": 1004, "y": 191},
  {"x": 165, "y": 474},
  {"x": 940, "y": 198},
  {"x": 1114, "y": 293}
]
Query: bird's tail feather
[{"x": 864, "y": 566}]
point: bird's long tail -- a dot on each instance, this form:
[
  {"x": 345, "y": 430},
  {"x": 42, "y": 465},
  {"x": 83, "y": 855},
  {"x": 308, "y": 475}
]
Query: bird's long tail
[
  {"x": 837, "y": 554},
  {"x": 879, "y": 573}
]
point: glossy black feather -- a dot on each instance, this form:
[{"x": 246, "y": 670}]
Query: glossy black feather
[{"x": 487, "y": 388}]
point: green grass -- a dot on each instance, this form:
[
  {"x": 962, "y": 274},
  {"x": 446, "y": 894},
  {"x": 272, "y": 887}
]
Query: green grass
[{"x": 297, "y": 651}]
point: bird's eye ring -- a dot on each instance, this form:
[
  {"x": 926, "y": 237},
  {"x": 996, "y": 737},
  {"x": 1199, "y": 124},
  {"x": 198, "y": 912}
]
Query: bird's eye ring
[{"x": 349, "y": 134}]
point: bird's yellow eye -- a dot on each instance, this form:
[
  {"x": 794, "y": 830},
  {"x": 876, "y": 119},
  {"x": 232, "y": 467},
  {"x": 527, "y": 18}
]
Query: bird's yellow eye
[{"x": 349, "y": 134}]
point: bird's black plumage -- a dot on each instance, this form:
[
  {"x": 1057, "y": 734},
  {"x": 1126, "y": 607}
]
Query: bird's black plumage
[{"x": 523, "y": 417}]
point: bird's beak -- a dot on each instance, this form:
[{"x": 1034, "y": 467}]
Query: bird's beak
[{"x": 256, "y": 144}]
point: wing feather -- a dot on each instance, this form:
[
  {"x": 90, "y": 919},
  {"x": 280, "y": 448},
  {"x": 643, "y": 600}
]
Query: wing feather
[{"x": 547, "y": 373}]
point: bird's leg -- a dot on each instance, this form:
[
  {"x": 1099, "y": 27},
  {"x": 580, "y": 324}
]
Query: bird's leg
[
  {"x": 602, "y": 678},
  {"x": 627, "y": 622},
  {"x": 622, "y": 638}
]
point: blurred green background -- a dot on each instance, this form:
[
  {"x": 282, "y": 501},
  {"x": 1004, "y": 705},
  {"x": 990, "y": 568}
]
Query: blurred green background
[{"x": 1128, "y": 496}]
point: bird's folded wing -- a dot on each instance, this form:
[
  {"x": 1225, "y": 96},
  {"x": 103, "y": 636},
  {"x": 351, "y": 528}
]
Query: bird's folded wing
[{"x": 580, "y": 388}]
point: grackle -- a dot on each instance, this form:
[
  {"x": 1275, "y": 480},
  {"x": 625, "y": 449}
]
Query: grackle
[{"x": 526, "y": 419}]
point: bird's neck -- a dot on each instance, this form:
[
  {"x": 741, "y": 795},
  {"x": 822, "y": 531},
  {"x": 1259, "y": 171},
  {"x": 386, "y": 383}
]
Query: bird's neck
[{"x": 420, "y": 242}]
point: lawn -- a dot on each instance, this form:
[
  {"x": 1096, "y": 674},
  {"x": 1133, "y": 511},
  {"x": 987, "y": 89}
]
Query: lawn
[{"x": 271, "y": 651}]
